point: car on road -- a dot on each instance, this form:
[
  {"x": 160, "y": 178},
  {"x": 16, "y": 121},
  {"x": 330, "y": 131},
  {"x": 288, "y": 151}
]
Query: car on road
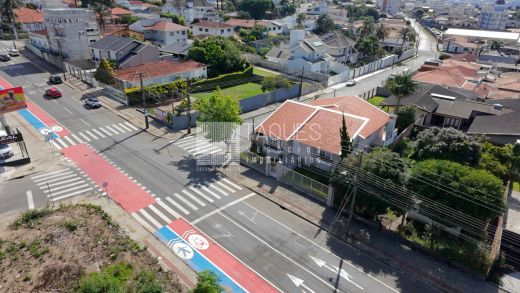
[
  {"x": 14, "y": 53},
  {"x": 53, "y": 92},
  {"x": 55, "y": 79},
  {"x": 4, "y": 57},
  {"x": 5, "y": 151},
  {"x": 350, "y": 83},
  {"x": 92, "y": 103}
]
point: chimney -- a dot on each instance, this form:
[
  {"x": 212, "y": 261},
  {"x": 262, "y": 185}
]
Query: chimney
[{"x": 295, "y": 37}]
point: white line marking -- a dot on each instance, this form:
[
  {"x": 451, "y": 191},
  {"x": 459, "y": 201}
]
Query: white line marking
[
  {"x": 213, "y": 148},
  {"x": 131, "y": 126},
  {"x": 70, "y": 189},
  {"x": 185, "y": 201},
  {"x": 66, "y": 109},
  {"x": 50, "y": 173},
  {"x": 150, "y": 218},
  {"x": 30, "y": 200},
  {"x": 61, "y": 142},
  {"x": 111, "y": 129},
  {"x": 84, "y": 136},
  {"x": 64, "y": 186},
  {"x": 160, "y": 214},
  {"x": 69, "y": 140},
  {"x": 118, "y": 128},
  {"x": 186, "y": 143},
  {"x": 201, "y": 194},
  {"x": 221, "y": 208},
  {"x": 203, "y": 145},
  {"x": 167, "y": 208},
  {"x": 97, "y": 132},
  {"x": 143, "y": 222},
  {"x": 124, "y": 127},
  {"x": 56, "y": 145},
  {"x": 77, "y": 138},
  {"x": 66, "y": 172},
  {"x": 211, "y": 192},
  {"x": 215, "y": 151},
  {"x": 218, "y": 189},
  {"x": 195, "y": 199},
  {"x": 182, "y": 209},
  {"x": 103, "y": 129},
  {"x": 92, "y": 135},
  {"x": 72, "y": 194},
  {"x": 59, "y": 183},
  {"x": 232, "y": 184},
  {"x": 56, "y": 179},
  {"x": 84, "y": 122},
  {"x": 185, "y": 138},
  {"x": 225, "y": 186}
]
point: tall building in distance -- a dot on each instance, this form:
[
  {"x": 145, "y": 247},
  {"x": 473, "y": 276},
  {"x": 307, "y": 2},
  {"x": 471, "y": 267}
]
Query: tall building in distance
[
  {"x": 494, "y": 17},
  {"x": 390, "y": 6},
  {"x": 71, "y": 31}
]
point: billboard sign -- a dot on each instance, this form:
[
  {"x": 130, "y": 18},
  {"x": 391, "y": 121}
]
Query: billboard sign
[
  {"x": 12, "y": 99},
  {"x": 15, "y": 137}
]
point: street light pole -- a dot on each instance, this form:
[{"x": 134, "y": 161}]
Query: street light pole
[
  {"x": 356, "y": 181},
  {"x": 145, "y": 107},
  {"x": 188, "y": 102}
]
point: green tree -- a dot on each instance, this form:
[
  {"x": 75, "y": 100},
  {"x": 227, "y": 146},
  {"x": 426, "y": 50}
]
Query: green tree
[
  {"x": 300, "y": 20},
  {"x": 496, "y": 45},
  {"x": 400, "y": 86},
  {"x": 405, "y": 117},
  {"x": 406, "y": 34},
  {"x": 104, "y": 73},
  {"x": 368, "y": 26},
  {"x": 286, "y": 8},
  {"x": 369, "y": 46},
  {"x": 515, "y": 162},
  {"x": 442, "y": 181},
  {"x": 275, "y": 82},
  {"x": 345, "y": 143},
  {"x": 497, "y": 159},
  {"x": 447, "y": 144},
  {"x": 218, "y": 108},
  {"x": 208, "y": 282},
  {"x": 175, "y": 18},
  {"x": 101, "y": 14},
  {"x": 128, "y": 19},
  {"x": 419, "y": 13},
  {"x": 381, "y": 32},
  {"x": 324, "y": 24},
  {"x": 222, "y": 55},
  {"x": 386, "y": 164},
  {"x": 8, "y": 16},
  {"x": 255, "y": 8}
]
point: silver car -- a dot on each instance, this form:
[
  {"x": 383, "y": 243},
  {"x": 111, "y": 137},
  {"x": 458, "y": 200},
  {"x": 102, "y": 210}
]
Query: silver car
[{"x": 5, "y": 151}]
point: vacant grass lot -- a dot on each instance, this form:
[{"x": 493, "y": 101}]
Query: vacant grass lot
[
  {"x": 262, "y": 72},
  {"x": 375, "y": 100},
  {"x": 238, "y": 92}
]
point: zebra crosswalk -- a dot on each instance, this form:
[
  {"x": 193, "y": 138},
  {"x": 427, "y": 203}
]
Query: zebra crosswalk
[
  {"x": 179, "y": 204},
  {"x": 86, "y": 136},
  {"x": 198, "y": 145},
  {"x": 62, "y": 184}
]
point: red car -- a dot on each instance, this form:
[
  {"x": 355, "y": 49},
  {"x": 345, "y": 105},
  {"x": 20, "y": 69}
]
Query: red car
[{"x": 53, "y": 92}]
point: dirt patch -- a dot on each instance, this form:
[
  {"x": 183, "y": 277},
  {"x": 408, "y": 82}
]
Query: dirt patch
[{"x": 72, "y": 246}]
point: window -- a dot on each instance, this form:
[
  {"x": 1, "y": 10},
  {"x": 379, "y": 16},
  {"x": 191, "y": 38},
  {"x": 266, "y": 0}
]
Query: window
[
  {"x": 273, "y": 143},
  {"x": 221, "y": 31},
  {"x": 200, "y": 29},
  {"x": 172, "y": 34},
  {"x": 229, "y": 30},
  {"x": 183, "y": 33},
  {"x": 206, "y": 30}
]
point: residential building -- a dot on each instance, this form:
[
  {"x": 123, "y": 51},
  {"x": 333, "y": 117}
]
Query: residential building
[
  {"x": 209, "y": 28},
  {"x": 321, "y": 8},
  {"x": 309, "y": 133},
  {"x": 71, "y": 31},
  {"x": 179, "y": 50},
  {"x": 459, "y": 44},
  {"x": 125, "y": 52},
  {"x": 29, "y": 20},
  {"x": 158, "y": 72},
  {"x": 494, "y": 17},
  {"x": 506, "y": 38},
  {"x": 40, "y": 40},
  {"x": 494, "y": 57},
  {"x": 191, "y": 10},
  {"x": 390, "y": 6},
  {"x": 116, "y": 13},
  {"x": 165, "y": 32},
  {"x": 498, "y": 129},
  {"x": 451, "y": 73}
]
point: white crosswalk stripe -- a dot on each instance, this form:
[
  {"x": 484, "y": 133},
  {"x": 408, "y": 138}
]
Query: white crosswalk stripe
[
  {"x": 167, "y": 208},
  {"x": 88, "y": 135},
  {"x": 57, "y": 146},
  {"x": 118, "y": 128},
  {"x": 211, "y": 192},
  {"x": 91, "y": 135},
  {"x": 124, "y": 127},
  {"x": 150, "y": 218},
  {"x": 225, "y": 186},
  {"x": 103, "y": 129},
  {"x": 212, "y": 186},
  {"x": 131, "y": 126},
  {"x": 111, "y": 129},
  {"x": 185, "y": 201},
  {"x": 198, "y": 145},
  {"x": 201, "y": 194},
  {"x": 61, "y": 184},
  {"x": 84, "y": 136},
  {"x": 232, "y": 184},
  {"x": 77, "y": 138},
  {"x": 160, "y": 214},
  {"x": 98, "y": 133},
  {"x": 178, "y": 206},
  {"x": 195, "y": 199},
  {"x": 143, "y": 222}
]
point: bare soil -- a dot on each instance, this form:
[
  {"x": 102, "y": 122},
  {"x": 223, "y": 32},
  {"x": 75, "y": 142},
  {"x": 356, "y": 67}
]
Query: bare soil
[{"x": 51, "y": 250}]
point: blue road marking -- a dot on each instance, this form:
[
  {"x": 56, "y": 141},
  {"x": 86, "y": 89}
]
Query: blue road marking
[
  {"x": 34, "y": 121},
  {"x": 198, "y": 262}
]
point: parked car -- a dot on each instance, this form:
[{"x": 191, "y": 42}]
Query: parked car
[
  {"x": 92, "y": 103},
  {"x": 55, "y": 79},
  {"x": 53, "y": 92},
  {"x": 350, "y": 83},
  {"x": 5, "y": 151},
  {"x": 14, "y": 53},
  {"x": 4, "y": 57}
]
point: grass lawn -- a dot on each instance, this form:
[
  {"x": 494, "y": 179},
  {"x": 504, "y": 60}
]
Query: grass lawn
[
  {"x": 375, "y": 100},
  {"x": 264, "y": 73},
  {"x": 516, "y": 185},
  {"x": 238, "y": 92}
]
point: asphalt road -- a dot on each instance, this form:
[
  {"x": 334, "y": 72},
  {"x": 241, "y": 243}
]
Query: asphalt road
[{"x": 286, "y": 250}]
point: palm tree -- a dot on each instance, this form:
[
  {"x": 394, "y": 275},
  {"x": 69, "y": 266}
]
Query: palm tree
[
  {"x": 102, "y": 15},
  {"x": 400, "y": 86},
  {"x": 367, "y": 29},
  {"x": 381, "y": 32},
  {"x": 300, "y": 20},
  {"x": 8, "y": 16}
]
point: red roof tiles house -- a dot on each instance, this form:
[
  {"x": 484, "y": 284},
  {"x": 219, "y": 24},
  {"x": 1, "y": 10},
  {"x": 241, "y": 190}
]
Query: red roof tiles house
[
  {"x": 212, "y": 24},
  {"x": 26, "y": 15},
  {"x": 285, "y": 120},
  {"x": 166, "y": 26},
  {"x": 118, "y": 11},
  {"x": 156, "y": 69},
  {"x": 245, "y": 23},
  {"x": 42, "y": 32}
]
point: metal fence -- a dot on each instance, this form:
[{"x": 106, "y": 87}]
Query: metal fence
[
  {"x": 304, "y": 183},
  {"x": 253, "y": 161}
]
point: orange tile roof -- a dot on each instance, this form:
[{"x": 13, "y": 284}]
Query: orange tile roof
[
  {"x": 212, "y": 24},
  {"x": 42, "y": 32},
  {"x": 26, "y": 15},
  {"x": 247, "y": 23},
  {"x": 156, "y": 69},
  {"x": 120, "y": 11},
  {"x": 166, "y": 26},
  {"x": 453, "y": 73},
  {"x": 317, "y": 124}
]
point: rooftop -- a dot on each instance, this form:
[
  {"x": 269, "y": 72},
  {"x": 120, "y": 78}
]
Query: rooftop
[
  {"x": 166, "y": 26},
  {"x": 156, "y": 69},
  {"x": 482, "y": 34},
  {"x": 212, "y": 24},
  {"x": 120, "y": 11},
  {"x": 26, "y": 15}
]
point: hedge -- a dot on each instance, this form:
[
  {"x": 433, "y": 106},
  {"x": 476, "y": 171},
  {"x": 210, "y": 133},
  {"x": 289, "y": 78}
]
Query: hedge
[{"x": 248, "y": 72}]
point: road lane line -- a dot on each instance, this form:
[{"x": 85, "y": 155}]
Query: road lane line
[
  {"x": 30, "y": 200},
  {"x": 160, "y": 214},
  {"x": 175, "y": 204},
  {"x": 218, "y": 189},
  {"x": 201, "y": 194},
  {"x": 150, "y": 218},
  {"x": 168, "y": 209},
  {"x": 90, "y": 133},
  {"x": 111, "y": 129},
  {"x": 131, "y": 126},
  {"x": 84, "y": 136},
  {"x": 232, "y": 184},
  {"x": 225, "y": 186},
  {"x": 222, "y": 208},
  {"x": 118, "y": 128},
  {"x": 124, "y": 127},
  {"x": 211, "y": 192},
  {"x": 67, "y": 109},
  {"x": 189, "y": 204},
  {"x": 49, "y": 173},
  {"x": 103, "y": 129},
  {"x": 77, "y": 138},
  {"x": 194, "y": 198},
  {"x": 98, "y": 133},
  {"x": 67, "y": 138},
  {"x": 86, "y": 123}
]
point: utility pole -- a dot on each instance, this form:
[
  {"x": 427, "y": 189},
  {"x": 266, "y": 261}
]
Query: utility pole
[
  {"x": 145, "y": 107},
  {"x": 188, "y": 102},
  {"x": 354, "y": 192},
  {"x": 301, "y": 84}
]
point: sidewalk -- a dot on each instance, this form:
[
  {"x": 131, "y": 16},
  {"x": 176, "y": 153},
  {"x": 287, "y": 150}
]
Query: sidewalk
[{"x": 384, "y": 246}]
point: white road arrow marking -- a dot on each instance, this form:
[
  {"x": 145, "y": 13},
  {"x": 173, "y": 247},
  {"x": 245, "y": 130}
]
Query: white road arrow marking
[
  {"x": 252, "y": 218},
  {"x": 323, "y": 264},
  {"x": 299, "y": 283}
]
